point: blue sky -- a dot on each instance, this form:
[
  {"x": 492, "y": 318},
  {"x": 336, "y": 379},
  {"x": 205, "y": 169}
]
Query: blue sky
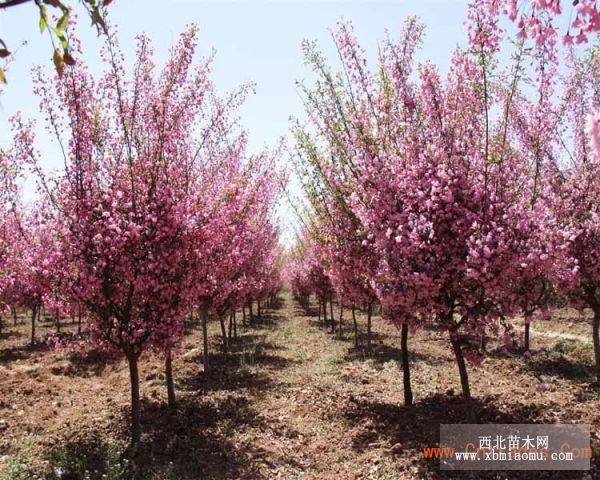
[{"x": 255, "y": 40}]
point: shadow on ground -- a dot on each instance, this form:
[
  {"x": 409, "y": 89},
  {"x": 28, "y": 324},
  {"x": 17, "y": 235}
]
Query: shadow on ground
[
  {"x": 418, "y": 427},
  {"x": 21, "y": 352},
  {"x": 193, "y": 442},
  {"x": 196, "y": 440}
]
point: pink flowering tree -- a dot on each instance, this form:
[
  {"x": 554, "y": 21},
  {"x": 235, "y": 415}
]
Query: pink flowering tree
[
  {"x": 9, "y": 234},
  {"x": 233, "y": 230},
  {"x": 337, "y": 235},
  {"x": 444, "y": 176},
  {"x": 306, "y": 275},
  {"x": 122, "y": 205},
  {"x": 357, "y": 124},
  {"x": 9, "y": 230},
  {"x": 575, "y": 195},
  {"x": 296, "y": 275}
]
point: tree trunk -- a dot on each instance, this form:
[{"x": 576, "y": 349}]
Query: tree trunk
[
  {"x": 408, "y": 396},
  {"x": 14, "y": 314},
  {"x": 319, "y": 317},
  {"x": 169, "y": 377},
  {"x": 331, "y": 316},
  {"x": 340, "y": 325},
  {"x": 355, "y": 326},
  {"x": 204, "y": 318},
  {"x": 79, "y": 319},
  {"x": 324, "y": 313},
  {"x": 191, "y": 320},
  {"x": 258, "y": 309},
  {"x": 57, "y": 320},
  {"x": 527, "y": 325},
  {"x": 134, "y": 378},
  {"x": 230, "y": 328},
  {"x": 244, "y": 315},
  {"x": 369, "y": 315},
  {"x": 34, "y": 313},
  {"x": 596, "y": 334},
  {"x": 234, "y": 314},
  {"x": 250, "y": 312},
  {"x": 223, "y": 332},
  {"x": 462, "y": 371}
]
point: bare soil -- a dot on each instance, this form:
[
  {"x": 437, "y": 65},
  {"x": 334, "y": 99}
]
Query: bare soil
[{"x": 289, "y": 401}]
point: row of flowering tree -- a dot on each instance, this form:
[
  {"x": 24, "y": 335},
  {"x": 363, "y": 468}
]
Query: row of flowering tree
[
  {"x": 456, "y": 201},
  {"x": 157, "y": 209}
]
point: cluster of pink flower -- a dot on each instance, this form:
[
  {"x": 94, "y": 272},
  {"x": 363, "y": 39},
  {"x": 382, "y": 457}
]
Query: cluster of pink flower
[
  {"x": 449, "y": 200},
  {"x": 537, "y": 18},
  {"x": 158, "y": 209}
]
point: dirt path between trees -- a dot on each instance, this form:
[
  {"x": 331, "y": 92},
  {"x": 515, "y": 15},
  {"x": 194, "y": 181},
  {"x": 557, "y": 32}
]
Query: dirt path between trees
[{"x": 289, "y": 401}]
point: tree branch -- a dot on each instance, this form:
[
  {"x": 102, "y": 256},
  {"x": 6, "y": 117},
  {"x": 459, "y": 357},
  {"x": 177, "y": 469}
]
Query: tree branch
[{"x": 12, "y": 3}]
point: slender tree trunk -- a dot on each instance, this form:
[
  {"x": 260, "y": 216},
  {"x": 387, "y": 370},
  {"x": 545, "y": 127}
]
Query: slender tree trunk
[
  {"x": 527, "y": 325},
  {"x": 204, "y": 319},
  {"x": 258, "y": 309},
  {"x": 331, "y": 316},
  {"x": 408, "y": 396},
  {"x": 464, "y": 377},
  {"x": 79, "y": 319},
  {"x": 230, "y": 328},
  {"x": 319, "y": 302},
  {"x": 324, "y": 313},
  {"x": 34, "y": 313},
  {"x": 57, "y": 320},
  {"x": 355, "y": 326},
  {"x": 244, "y": 315},
  {"x": 369, "y": 318},
  {"x": 136, "y": 429},
  {"x": 191, "y": 320},
  {"x": 596, "y": 334},
  {"x": 1, "y": 323},
  {"x": 234, "y": 315},
  {"x": 14, "y": 315},
  {"x": 340, "y": 325},
  {"x": 250, "y": 312},
  {"x": 169, "y": 377},
  {"x": 223, "y": 332}
]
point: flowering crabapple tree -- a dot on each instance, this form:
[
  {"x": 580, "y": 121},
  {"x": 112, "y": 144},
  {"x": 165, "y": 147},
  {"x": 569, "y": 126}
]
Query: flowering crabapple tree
[
  {"x": 575, "y": 195},
  {"x": 355, "y": 132},
  {"x": 543, "y": 127},
  {"x": 321, "y": 283},
  {"x": 443, "y": 175},
  {"x": 123, "y": 204},
  {"x": 233, "y": 232},
  {"x": 22, "y": 257},
  {"x": 336, "y": 231},
  {"x": 9, "y": 231},
  {"x": 306, "y": 275},
  {"x": 296, "y": 275}
]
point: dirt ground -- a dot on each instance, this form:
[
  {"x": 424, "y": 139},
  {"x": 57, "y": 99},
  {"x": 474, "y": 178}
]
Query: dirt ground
[{"x": 290, "y": 401}]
